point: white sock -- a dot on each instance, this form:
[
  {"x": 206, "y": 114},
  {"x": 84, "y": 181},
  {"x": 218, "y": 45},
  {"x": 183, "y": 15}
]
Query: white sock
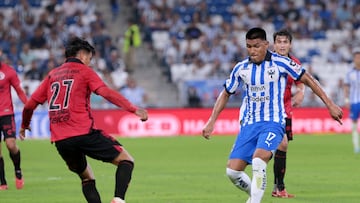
[
  {"x": 355, "y": 137},
  {"x": 258, "y": 183},
  {"x": 240, "y": 179}
]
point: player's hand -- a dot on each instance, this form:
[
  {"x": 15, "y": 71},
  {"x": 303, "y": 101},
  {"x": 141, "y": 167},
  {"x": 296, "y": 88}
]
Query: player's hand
[
  {"x": 207, "y": 130},
  {"x": 22, "y": 132},
  {"x": 142, "y": 113},
  {"x": 336, "y": 112}
]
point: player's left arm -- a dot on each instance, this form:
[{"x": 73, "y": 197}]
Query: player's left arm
[
  {"x": 298, "y": 97},
  {"x": 335, "y": 111}
]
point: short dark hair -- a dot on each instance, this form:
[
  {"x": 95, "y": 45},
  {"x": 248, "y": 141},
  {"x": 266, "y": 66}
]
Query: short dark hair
[
  {"x": 256, "y": 33},
  {"x": 74, "y": 45},
  {"x": 283, "y": 32}
]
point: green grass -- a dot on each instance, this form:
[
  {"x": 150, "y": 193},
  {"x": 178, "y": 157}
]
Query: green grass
[{"x": 190, "y": 170}]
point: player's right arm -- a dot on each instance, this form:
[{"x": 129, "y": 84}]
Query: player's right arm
[
  {"x": 231, "y": 84},
  {"x": 38, "y": 97},
  {"x": 219, "y": 105}
]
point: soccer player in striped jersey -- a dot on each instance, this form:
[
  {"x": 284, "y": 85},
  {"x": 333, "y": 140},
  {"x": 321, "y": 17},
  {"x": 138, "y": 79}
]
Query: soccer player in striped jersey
[
  {"x": 352, "y": 96},
  {"x": 282, "y": 46},
  {"x": 67, "y": 90},
  {"x": 264, "y": 75},
  {"x": 8, "y": 79}
]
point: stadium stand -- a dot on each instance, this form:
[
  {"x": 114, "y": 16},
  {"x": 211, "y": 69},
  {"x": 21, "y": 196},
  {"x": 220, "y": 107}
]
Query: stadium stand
[
  {"x": 317, "y": 27},
  {"x": 167, "y": 36}
]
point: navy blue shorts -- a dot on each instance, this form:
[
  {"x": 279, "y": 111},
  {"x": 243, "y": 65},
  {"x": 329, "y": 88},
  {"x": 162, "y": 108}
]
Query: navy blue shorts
[
  {"x": 97, "y": 145},
  {"x": 7, "y": 127}
]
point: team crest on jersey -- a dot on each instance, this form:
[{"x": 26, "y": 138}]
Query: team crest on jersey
[
  {"x": 2, "y": 75},
  {"x": 271, "y": 73},
  {"x": 292, "y": 63}
]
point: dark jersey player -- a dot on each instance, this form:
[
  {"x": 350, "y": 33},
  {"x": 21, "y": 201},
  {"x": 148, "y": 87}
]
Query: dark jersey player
[
  {"x": 67, "y": 91},
  {"x": 282, "y": 46},
  {"x": 8, "y": 79}
]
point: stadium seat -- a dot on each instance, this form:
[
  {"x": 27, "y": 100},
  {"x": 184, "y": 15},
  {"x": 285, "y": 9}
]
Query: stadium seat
[
  {"x": 178, "y": 71},
  {"x": 160, "y": 39},
  {"x": 8, "y": 3},
  {"x": 35, "y": 3}
]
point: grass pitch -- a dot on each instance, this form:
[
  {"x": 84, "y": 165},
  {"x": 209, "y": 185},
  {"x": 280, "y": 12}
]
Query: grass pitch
[{"x": 190, "y": 170}]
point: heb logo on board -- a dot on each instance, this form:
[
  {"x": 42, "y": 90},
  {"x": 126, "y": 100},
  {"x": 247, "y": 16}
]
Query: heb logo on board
[{"x": 156, "y": 125}]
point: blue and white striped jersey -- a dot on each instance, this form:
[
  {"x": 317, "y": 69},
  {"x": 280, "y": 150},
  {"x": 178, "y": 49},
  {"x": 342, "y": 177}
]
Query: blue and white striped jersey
[
  {"x": 353, "y": 80},
  {"x": 264, "y": 87}
]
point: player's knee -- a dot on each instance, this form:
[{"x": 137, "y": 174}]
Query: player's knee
[
  {"x": 240, "y": 179},
  {"x": 11, "y": 145},
  {"x": 283, "y": 146},
  {"x": 77, "y": 168}
]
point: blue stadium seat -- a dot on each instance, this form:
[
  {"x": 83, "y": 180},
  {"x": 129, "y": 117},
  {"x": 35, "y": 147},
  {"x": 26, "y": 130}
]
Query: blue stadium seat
[
  {"x": 8, "y": 3},
  {"x": 313, "y": 52},
  {"x": 35, "y": 3}
]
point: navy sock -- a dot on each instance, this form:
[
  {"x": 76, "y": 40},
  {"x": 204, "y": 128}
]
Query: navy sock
[
  {"x": 16, "y": 161},
  {"x": 279, "y": 169},
  {"x": 123, "y": 177},
  {"x": 90, "y": 192}
]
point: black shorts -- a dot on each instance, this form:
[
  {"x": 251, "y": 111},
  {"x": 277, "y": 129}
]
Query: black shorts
[
  {"x": 288, "y": 128},
  {"x": 7, "y": 126},
  {"x": 97, "y": 145}
]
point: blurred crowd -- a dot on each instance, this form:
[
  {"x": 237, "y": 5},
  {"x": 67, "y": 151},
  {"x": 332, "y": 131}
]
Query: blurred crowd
[
  {"x": 192, "y": 39},
  {"x": 203, "y": 39},
  {"x": 33, "y": 34}
]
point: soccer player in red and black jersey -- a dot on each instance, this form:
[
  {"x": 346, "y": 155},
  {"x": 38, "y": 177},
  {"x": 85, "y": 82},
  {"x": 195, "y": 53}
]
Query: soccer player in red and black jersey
[
  {"x": 282, "y": 46},
  {"x": 67, "y": 91},
  {"x": 8, "y": 79}
]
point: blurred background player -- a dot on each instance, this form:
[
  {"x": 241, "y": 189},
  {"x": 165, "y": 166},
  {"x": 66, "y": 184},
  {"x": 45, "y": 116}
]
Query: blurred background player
[
  {"x": 352, "y": 96},
  {"x": 282, "y": 46},
  {"x": 8, "y": 79},
  {"x": 67, "y": 90}
]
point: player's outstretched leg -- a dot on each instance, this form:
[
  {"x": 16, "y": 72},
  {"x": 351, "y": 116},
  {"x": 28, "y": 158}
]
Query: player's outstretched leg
[{"x": 123, "y": 177}]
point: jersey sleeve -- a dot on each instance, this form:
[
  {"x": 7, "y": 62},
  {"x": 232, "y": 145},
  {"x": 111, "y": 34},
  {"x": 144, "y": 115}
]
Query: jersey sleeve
[
  {"x": 233, "y": 82},
  {"x": 292, "y": 68},
  {"x": 93, "y": 80},
  {"x": 40, "y": 94},
  {"x": 14, "y": 79}
]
